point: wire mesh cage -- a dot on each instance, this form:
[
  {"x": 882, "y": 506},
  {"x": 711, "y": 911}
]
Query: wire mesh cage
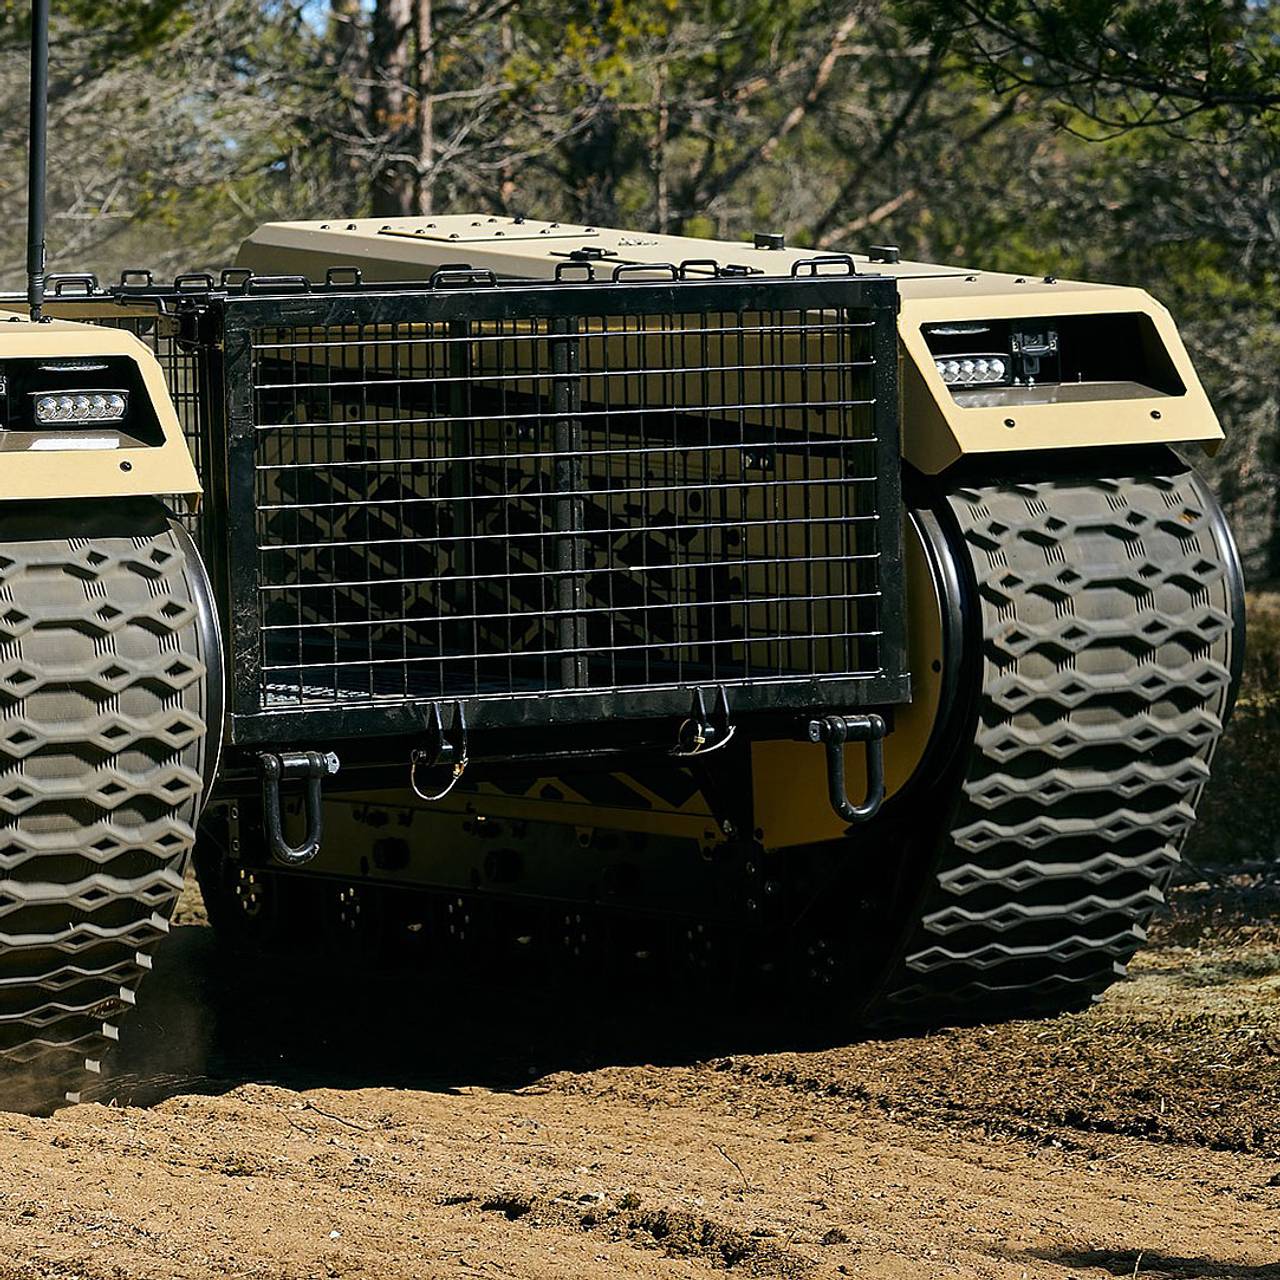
[{"x": 591, "y": 494}]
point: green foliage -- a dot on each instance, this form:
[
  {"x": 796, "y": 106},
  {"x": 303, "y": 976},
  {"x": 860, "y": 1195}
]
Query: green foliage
[{"x": 1121, "y": 62}]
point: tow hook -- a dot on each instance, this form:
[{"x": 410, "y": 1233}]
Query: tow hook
[
  {"x": 835, "y": 731},
  {"x": 704, "y": 731},
  {"x": 445, "y": 748},
  {"x": 314, "y": 766}
]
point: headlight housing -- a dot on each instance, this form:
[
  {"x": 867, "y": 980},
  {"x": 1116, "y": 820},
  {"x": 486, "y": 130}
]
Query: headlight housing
[
  {"x": 87, "y": 402},
  {"x": 1035, "y": 359}
]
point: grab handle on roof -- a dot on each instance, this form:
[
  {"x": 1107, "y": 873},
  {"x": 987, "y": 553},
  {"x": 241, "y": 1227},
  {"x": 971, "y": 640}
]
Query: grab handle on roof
[
  {"x": 70, "y": 285},
  {"x": 633, "y": 268},
  {"x": 813, "y": 266},
  {"x": 278, "y": 284},
  {"x": 459, "y": 277}
]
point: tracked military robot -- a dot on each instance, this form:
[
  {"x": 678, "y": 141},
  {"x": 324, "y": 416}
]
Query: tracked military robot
[
  {"x": 857, "y": 626},
  {"x": 993, "y": 837}
]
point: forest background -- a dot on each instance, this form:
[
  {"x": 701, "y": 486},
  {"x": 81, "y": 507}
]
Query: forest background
[{"x": 1132, "y": 141}]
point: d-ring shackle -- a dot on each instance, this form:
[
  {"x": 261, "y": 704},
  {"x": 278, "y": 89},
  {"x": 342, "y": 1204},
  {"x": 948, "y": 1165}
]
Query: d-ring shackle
[
  {"x": 835, "y": 731},
  {"x": 314, "y": 766}
]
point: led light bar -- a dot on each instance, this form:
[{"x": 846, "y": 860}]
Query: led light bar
[
  {"x": 972, "y": 371},
  {"x": 79, "y": 406}
]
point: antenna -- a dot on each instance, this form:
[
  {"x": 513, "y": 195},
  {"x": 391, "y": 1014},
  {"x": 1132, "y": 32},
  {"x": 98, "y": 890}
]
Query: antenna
[{"x": 37, "y": 156}]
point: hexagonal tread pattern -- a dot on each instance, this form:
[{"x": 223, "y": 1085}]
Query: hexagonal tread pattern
[
  {"x": 1106, "y": 675},
  {"x": 103, "y": 740}
]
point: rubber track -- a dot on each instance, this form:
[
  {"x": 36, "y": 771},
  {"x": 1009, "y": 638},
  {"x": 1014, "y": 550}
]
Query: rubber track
[
  {"x": 1106, "y": 675},
  {"x": 102, "y": 746}
]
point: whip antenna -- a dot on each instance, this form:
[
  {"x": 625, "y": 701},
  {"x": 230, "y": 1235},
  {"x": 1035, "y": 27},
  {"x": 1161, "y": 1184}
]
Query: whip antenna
[{"x": 37, "y": 156}]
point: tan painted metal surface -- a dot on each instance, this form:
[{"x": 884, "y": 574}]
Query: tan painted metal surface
[
  {"x": 936, "y": 429},
  {"x": 634, "y": 804},
  {"x": 789, "y": 779},
  {"x": 411, "y": 248},
  {"x": 128, "y": 471}
]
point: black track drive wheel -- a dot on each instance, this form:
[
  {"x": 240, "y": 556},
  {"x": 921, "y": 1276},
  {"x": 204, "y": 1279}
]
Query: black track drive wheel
[
  {"x": 1109, "y": 612},
  {"x": 110, "y": 714}
]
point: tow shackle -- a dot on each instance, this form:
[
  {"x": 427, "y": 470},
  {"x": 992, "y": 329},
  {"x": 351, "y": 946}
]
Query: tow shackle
[
  {"x": 834, "y": 732},
  {"x": 314, "y": 767}
]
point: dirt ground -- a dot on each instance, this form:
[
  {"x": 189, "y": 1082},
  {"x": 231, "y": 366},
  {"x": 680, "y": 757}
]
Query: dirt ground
[{"x": 284, "y": 1132}]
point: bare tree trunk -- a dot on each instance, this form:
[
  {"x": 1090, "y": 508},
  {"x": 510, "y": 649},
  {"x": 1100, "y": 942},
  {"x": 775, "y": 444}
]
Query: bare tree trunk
[
  {"x": 508, "y": 188},
  {"x": 658, "y": 157},
  {"x": 426, "y": 112},
  {"x": 393, "y": 177},
  {"x": 350, "y": 63}
]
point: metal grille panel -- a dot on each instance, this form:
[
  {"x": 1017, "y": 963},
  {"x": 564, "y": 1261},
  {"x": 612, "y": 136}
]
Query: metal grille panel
[
  {"x": 496, "y": 494},
  {"x": 554, "y": 504}
]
